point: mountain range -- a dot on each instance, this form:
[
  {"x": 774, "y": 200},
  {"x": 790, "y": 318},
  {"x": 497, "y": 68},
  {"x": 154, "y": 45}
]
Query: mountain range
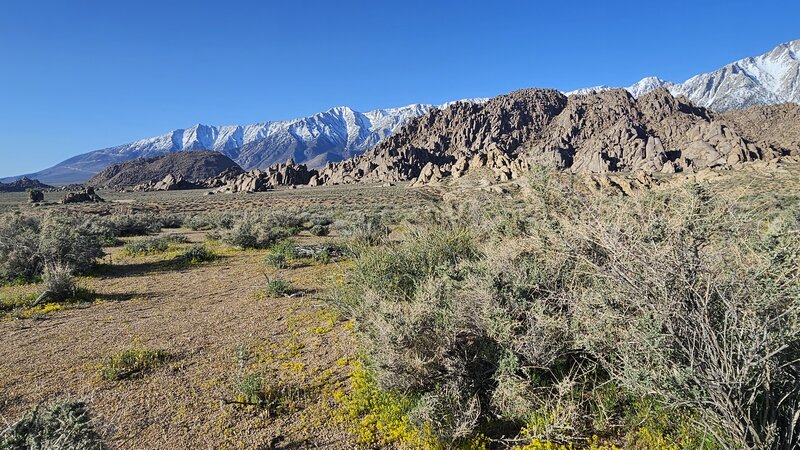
[
  {"x": 341, "y": 133},
  {"x": 767, "y": 79}
]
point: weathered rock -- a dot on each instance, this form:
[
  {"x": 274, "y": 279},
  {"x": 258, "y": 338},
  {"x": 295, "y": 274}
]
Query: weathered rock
[
  {"x": 35, "y": 196},
  {"x": 288, "y": 174},
  {"x": 87, "y": 196},
  {"x": 604, "y": 132}
]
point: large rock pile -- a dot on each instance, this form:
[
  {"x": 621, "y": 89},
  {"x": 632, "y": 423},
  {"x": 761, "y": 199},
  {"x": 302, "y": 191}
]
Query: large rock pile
[
  {"x": 597, "y": 133},
  {"x": 168, "y": 183},
  {"x": 23, "y": 184},
  {"x": 87, "y": 196},
  {"x": 289, "y": 174}
]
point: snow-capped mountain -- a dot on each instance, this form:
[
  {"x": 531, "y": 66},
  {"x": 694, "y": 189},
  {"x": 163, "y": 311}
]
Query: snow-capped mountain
[
  {"x": 332, "y": 135},
  {"x": 773, "y": 77},
  {"x": 341, "y": 133}
]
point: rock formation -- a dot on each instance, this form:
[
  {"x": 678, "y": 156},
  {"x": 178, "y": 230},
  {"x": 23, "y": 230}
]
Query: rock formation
[
  {"x": 22, "y": 185},
  {"x": 289, "y": 174},
  {"x": 87, "y": 196},
  {"x": 775, "y": 128},
  {"x": 169, "y": 183},
  {"x": 602, "y": 132}
]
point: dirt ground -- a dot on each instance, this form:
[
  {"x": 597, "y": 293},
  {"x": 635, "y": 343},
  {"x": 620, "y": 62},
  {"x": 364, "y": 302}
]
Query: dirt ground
[{"x": 202, "y": 315}]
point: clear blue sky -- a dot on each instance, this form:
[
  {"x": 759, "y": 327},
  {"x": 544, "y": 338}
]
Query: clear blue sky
[{"x": 78, "y": 75}]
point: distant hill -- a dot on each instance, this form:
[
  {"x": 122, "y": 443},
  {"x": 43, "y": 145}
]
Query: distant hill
[
  {"x": 22, "y": 185},
  {"x": 188, "y": 165}
]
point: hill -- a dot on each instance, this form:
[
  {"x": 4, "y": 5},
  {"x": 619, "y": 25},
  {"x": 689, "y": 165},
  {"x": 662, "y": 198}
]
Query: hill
[
  {"x": 187, "y": 165},
  {"x": 22, "y": 185},
  {"x": 609, "y": 131}
]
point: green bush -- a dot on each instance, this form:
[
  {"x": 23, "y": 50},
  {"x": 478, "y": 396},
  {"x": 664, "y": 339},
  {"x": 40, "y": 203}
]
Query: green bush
[
  {"x": 147, "y": 246},
  {"x": 197, "y": 254},
  {"x": 131, "y": 362},
  {"x": 368, "y": 231},
  {"x": 277, "y": 287},
  {"x": 28, "y": 243},
  {"x": 555, "y": 316},
  {"x": 281, "y": 254},
  {"x": 63, "y": 424},
  {"x": 255, "y": 231},
  {"x": 319, "y": 230}
]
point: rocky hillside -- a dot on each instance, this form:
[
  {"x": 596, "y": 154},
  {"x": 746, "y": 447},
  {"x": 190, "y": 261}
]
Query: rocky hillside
[
  {"x": 602, "y": 132},
  {"x": 22, "y": 185},
  {"x": 187, "y": 165},
  {"x": 774, "y": 127}
]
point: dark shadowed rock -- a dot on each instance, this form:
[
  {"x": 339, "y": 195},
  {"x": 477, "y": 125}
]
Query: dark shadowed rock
[
  {"x": 22, "y": 185},
  {"x": 191, "y": 166},
  {"x": 87, "y": 196}
]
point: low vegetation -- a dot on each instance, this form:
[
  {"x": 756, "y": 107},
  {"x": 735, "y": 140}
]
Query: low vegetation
[
  {"x": 197, "y": 253},
  {"x": 29, "y": 243},
  {"x": 657, "y": 320},
  {"x": 131, "y": 362},
  {"x": 63, "y": 424},
  {"x": 277, "y": 287}
]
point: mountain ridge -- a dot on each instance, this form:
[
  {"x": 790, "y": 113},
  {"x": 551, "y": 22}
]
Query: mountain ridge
[
  {"x": 341, "y": 133},
  {"x": 770, "y": 78}
]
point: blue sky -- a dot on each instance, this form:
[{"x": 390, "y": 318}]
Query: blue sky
[{"x": 80, "y": 75}]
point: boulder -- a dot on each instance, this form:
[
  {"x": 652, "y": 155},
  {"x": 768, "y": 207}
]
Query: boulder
[{"x": 87, "y": 196}]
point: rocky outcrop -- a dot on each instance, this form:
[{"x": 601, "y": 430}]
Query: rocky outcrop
[
  {"x": 169, "y": 183},
  {"x": 775, "y": 128},
  {"x": 289, "y": 174},
  {"x": 596, "y": 133},
  {"x": 191, "y": 166},
  {"x": 87, "y": 196},
  {"x": 35, "y": 196},
  {"x": 22, "y": 185}
]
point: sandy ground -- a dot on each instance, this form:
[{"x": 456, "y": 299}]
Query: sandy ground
[{"x": 201, "y": 315}]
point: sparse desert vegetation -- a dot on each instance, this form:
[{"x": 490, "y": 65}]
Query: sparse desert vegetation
[{"x": 551, "y": 317}]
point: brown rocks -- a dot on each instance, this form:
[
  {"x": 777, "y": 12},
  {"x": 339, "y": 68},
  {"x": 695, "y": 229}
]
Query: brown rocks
[
  {"x": 87, "y": 196},
  {"x": 168, "y": 183},
  {"x": 597, "y": 133},
  {"x": 289, "y": 174},
  {"x": 35, "y": 196}
]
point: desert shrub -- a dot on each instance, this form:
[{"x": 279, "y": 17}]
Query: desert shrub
[
  {"x": 58, "y": 281},
  {"x": 147, "y": 246},
  {"x": 20, "y": 258},
  {"x": 557, "y": 317},
  {"x": 174, "y": 238},
  {"x": 131, "y": 362},
  {"x": 274, "y": 395},
  {"x": 197, "y": 254},
  {"x": 281, "y": 254},
  {"x": 125, "y": 225},
  {"x": 200, "y": 222},
  {"x": 277, "y": 287},
  {"x": 169, "y": 220},
  {"x": 369, "y": 230},
  {"x": 258, "y": 231},
  {"x": 62, "y": 424},
  {"x": 28, "y": 243},
  {"x": 319, "y": 230}
]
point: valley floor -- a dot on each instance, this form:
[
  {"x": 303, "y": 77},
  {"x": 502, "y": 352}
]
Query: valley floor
[{"x": 204, "y": 316}]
